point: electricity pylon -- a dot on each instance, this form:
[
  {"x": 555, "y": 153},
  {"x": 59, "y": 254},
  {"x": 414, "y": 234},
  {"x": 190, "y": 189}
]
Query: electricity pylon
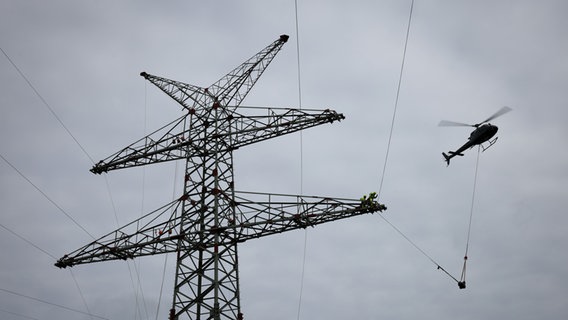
[{"x": 204, "y": 226}]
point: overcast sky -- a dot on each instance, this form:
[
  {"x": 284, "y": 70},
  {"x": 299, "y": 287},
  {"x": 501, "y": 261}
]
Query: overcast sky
[{"x": 464, "y": 61}]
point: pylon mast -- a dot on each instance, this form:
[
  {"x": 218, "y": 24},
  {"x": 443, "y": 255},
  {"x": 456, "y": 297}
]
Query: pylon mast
[{"x": 204, "y": 226}]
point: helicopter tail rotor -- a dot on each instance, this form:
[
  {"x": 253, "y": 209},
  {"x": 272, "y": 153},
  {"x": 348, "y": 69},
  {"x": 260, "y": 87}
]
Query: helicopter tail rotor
[{"x": 447, "y": 158}]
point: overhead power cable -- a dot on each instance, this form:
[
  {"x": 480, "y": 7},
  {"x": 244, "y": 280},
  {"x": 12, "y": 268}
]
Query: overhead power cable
[
  {"x": 174, "y": 193},
  {"x": 305, "y": 249},
  {"x": 51, "y": 303},
  {"x": 27, "y": 241},
  {"x": 46, "y": 196},
  {"x": 81, "y": 293},
  {"x": 396, "y": 99},
  {"x": 18, "y": 314},
  {"x": 400, "y": 77},
  {"x": 56, "y": 116},
  {"x": 47, "y": 105},
  {"x": 19, "y": 236}
]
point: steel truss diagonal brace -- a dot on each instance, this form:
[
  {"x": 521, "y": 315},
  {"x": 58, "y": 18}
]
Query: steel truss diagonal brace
[
  {"x": 234, "y": 87},
  {"x": 165, "y": 144},
  {"x": 246, "y": 130},
  {"x": 157, "y": 232},
  {"x": 189, "y": 96}
]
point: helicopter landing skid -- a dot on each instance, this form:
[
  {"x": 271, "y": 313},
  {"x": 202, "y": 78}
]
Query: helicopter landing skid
[{"x": 491, "y": 142}]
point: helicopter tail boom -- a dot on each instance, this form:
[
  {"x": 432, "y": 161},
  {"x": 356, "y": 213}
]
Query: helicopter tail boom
[{"x": 452, "y": 154}]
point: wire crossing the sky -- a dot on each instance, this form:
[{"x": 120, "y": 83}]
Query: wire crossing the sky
[
  {"x": 305, "y": 249},
  {"x": 396, "y": 99},
  {"x": 46, "y": 196},
  {"x": 51, "y": 303},
  {"x": 47, "y": 106},
  {"x": 54, "y": 258},
  {"x": 52, "y": 111},
  {"x": 389, "y": 144}
]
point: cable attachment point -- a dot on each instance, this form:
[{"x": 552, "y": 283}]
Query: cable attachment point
[{"x": 461, "y": 283}]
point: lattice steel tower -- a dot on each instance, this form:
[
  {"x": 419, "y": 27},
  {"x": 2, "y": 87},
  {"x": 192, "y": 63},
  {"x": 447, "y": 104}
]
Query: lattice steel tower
[{"x": 204, "y": 226}]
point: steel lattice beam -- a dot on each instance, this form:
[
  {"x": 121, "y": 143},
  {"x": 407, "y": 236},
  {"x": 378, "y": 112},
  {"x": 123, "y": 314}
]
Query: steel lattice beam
[
  {"x": 266, "y": 214},
  {"x": 180, "y": 140}
]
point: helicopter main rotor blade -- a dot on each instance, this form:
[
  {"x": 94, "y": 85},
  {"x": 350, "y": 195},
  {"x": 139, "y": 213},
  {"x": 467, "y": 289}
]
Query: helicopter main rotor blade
[
  {"x": 499, "y": 113},
  {"x": 446, "y": 123}
]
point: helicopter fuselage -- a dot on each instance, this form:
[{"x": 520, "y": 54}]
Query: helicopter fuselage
[
  {"x": 480, "y": 135},
  {"x": 483, "y": 133}
]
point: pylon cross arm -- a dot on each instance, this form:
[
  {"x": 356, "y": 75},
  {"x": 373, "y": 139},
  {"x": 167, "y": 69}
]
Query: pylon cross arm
[
  {"x": 160, "y": 231},
  {"x": 187, "y": 95},
  {"x": 280, "y": 213},
  {"x": 165, "y": 144},
  {"x": 188, "y": 136},
  {"x": 154, "y": 233},
  {"x": 244, "y": 130}
]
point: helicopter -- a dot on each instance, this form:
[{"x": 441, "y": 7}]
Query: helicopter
[{"x": 483, "y": 132}]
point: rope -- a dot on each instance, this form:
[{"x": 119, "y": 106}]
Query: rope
[
  {"x": 438, "y": 266},
  {"x": 465, "y": 257},
  {"x": 396, "y": 99}
]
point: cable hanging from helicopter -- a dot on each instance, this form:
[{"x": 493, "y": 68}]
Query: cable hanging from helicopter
[{"x": 483, "y": 132}]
